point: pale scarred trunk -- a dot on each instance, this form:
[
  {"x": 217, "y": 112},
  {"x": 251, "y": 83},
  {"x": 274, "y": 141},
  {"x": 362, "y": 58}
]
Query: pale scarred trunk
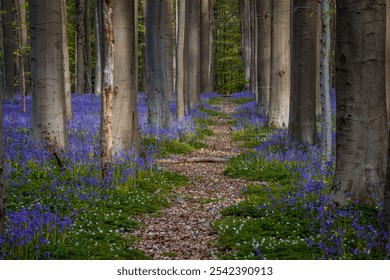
[
  {"x": 124, "y": 110},
  {"x": 280, "y": 64},
  {"x": 108, "y": 88},
  {"x": 361, "y": 111},
  {"x": 48, "y": 94}
]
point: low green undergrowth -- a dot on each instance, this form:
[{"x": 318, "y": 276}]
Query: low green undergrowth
[
  {"x": 252, "y": 136},
  {"x": 252, "y": 166}
]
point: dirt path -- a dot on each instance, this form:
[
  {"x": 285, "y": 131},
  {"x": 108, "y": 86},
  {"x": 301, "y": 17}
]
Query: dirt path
[{"x": 182, "y": 231}]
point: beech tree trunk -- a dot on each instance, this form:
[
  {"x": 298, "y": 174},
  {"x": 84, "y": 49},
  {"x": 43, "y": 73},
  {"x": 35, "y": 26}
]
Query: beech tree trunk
[
  {"x": 80, "y": 48},
  {"x": 280, "y": 64},
  {"x": 48, "y": 91},
  {"x": 108, "y": 87},
  {"x": 98, "y": 46},
  {"x": 124, "y": 110},
  {"x": 206, "y": 50},
  {"x": 156, "y": 74},
  {"x": 65, "y": 49},
  {"x": 302, "y": 117},
  {"x": 87, "y": 49},
  {"x": 193, "y": 52},
  {"x": 264, "y": 17},
  {"x": 361, "y": 111},
  {"x": 8, "y": 50},
  {"x": 168, "y": 44},
  {"x": 25, "y": 43},
  {"x": 22, "y": 75},
  {"x": 180, "y": 58},
  {"x": 326, "y": 141},
  {"x": 253, "y": 48},
  {"x": 246, "y": 40}
]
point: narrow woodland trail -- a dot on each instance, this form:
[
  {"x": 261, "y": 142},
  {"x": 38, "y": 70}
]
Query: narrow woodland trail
[{"x": 182, "y": 231}]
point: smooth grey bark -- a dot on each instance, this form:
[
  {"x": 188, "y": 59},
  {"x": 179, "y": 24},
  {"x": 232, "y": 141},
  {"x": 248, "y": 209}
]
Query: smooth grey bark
[
  {"x": 21, "y": 55},
  {"x": 302, "y": 117},
  {"x": 206, "y": 43},
  {"x": 246, "y": 40},
  {"x": 125, "y": 117},
  {"x": 65, "y": 49},
  {"x": 8, "y": 50},
  {"x": 168, "y": 44},
  {"x": 87, "y": 44},
  {"x": 80, "y": 47},
  {"x": 48, "y": 94},
  {"x": 280, "y": 64},
  {"x": 326, "y": 140},
  {"x": 108, "y": 87},
  {"x": 25, "y": 43},
  {"x": 156, "y": 74},
  {"x": 193, "y": 52},
  {"x": 180, "y": 58},
  {"x": 361, "y": 124},
  {"x": 253, "y": 48},
  {"x": 264, "y": 17},
  {"x": 98, "y": 46}
]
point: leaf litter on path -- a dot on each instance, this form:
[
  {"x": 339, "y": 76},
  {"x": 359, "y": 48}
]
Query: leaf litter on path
[{"x": 183, "y": 230}]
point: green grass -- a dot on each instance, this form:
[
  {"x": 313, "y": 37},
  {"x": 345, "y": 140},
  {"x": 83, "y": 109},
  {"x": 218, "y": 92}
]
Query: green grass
[
  {"x": 252, "y": 136},
  {"x": 252, "y": 166},
  {"x": 241, "y": 100}
]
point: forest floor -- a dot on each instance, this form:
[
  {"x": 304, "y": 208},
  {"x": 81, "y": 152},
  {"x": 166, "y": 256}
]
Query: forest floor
[{"x": 183, "y": 230}]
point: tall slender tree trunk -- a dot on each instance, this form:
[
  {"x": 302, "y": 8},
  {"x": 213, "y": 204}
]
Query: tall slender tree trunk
[
  {"x": 180, "y": 58},
  {"x": 246, "y": 40},
  {"x": 8, "y": 50},
  {"x": 98, "y": 46},
  {"x": 48, "y": 94},
  {"x": 22, "y": 75},
  {"x": 168, "y": 44},
  {"x": 108, "y": 87},
  {"x": 280, "y": 64},
  {"x": 80, "y": 49},
  {"x": 326, "y": 141},
  {"x": 205, "y": 50},
  {"x": 302, "y": 118},
  {"x": 193, "y": 54},
  {"x": 124, "y": 110},
  {"x": 25, "y": 43},
  {"x": 65, "y": 49},
  {"x": 264, "y": 14},
  {"x": 361, "y": 113},
  {"x": 87, "y": 50},
  {"x": 253, "y": 48},
  {"x": 156, "y": 74}
]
